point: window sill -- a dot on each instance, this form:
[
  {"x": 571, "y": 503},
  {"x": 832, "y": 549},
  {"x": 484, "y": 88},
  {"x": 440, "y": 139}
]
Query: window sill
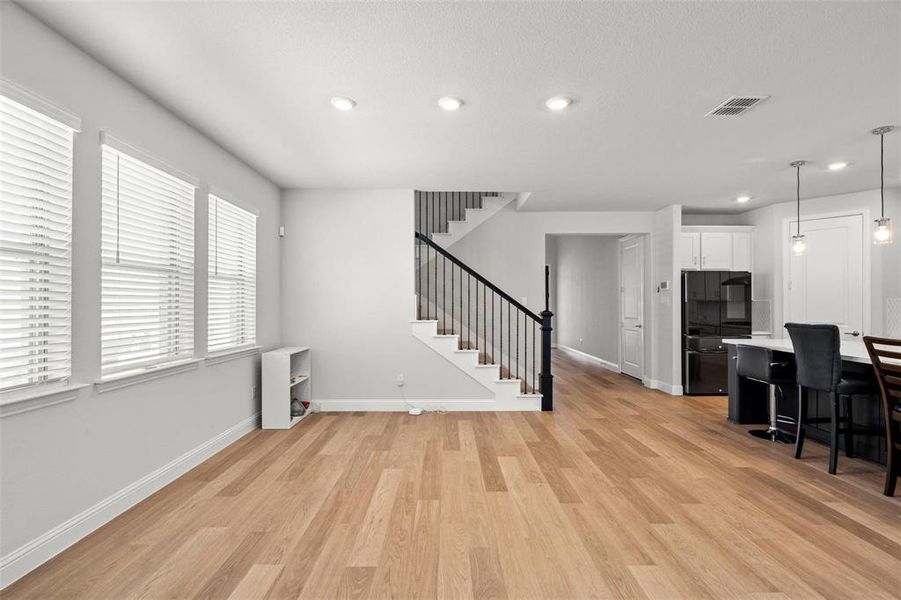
[
  {"x": 21, "y": 401},
  {"x": 232, "y": 354},
  {"x": 115, "y": 382}
]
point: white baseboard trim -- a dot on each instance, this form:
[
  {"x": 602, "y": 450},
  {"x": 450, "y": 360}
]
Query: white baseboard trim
[
  {"x": 464, "y": 405},
  {"x": 28, "y": 557},
  {"x": 604, "y": 363},
  {"x": 672, "y": 390}
]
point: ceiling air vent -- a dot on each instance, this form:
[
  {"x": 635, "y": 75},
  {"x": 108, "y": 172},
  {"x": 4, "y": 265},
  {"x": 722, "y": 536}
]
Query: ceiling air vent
[{"x": 735, "y": 106}]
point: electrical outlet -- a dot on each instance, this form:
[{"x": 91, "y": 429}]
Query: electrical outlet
[
  {"x": 400, "y": 380},
  {"x": 580, "y": 341},
  {"x": 253, "y": 392}
]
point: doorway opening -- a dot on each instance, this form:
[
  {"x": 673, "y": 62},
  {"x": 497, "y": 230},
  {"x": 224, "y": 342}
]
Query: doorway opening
[{"x": 598, "y": 299}]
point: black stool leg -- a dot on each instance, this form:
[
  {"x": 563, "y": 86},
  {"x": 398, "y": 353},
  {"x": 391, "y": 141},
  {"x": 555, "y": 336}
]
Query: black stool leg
[
  {"x": 849, "y": 424},
  {"x": 892, "y": 470},
  {"x": 833, "y": 436},
  {"x": 802, "y": 417}
]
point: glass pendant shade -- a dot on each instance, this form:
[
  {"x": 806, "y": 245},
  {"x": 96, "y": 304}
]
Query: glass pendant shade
[
  {"x": 882, "y": 231},
  {"x": 799, "y": 243},
  {"x": 882, "y": 227}
]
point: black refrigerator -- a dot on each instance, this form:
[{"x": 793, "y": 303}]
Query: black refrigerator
[{"x": 715, "y": 305}]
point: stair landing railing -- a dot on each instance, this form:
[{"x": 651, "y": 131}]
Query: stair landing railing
[
  {"x": 486, "y": 318},
  {"x": 435, "y": 210}
]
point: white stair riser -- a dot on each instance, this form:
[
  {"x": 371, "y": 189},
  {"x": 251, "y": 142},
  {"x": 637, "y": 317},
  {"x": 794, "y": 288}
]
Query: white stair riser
[{"x": 507, "y": 392}]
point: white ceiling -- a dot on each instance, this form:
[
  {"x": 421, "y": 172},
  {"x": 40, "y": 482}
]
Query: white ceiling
[{"x": 257, "y": 77}]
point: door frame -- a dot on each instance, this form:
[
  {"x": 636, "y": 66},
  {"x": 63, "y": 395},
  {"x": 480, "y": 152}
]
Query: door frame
[
  {"x": 787, "y": 222},
  {"x": 641, "y": 239}
]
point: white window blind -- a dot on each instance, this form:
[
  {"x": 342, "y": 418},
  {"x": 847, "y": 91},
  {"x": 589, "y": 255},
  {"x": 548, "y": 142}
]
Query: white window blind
[
  {"x": 35, "y": 247},
  {"x": 232, "y": 276},
  {"x": 147, "y": 299}
]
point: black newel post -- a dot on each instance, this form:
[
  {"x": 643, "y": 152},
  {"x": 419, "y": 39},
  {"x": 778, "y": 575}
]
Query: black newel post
[{"x": 547, "y": 380}]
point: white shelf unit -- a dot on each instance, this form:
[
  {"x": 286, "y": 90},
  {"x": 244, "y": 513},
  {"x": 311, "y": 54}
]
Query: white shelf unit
[{"x": 286, "y": 375}]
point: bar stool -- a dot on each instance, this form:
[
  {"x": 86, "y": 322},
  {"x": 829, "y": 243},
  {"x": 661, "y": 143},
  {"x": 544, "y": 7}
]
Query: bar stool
[
  {"x": 885, "y": 354},
  {"x": 819, "y": 361},
  {"x": 758, "y": 364}
]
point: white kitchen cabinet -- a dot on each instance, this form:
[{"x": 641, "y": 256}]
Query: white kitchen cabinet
[
  {"x": 716, "y": 250},
  {"x": 690, "y": 250},
  {"x": 741, "y": 251}
]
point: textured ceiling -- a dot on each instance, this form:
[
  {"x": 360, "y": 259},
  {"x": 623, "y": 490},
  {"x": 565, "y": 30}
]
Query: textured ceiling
[{"x": 257, "y": 77}]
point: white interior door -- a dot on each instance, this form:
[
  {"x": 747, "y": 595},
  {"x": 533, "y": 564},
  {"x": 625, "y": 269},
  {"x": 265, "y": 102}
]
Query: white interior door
[
  {"x": 827, "y": 284},
  {"x": 632, "y": 306}
]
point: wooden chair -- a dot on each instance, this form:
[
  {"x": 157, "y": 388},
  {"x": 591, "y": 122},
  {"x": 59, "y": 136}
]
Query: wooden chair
[{"x": 885, "y": 355}]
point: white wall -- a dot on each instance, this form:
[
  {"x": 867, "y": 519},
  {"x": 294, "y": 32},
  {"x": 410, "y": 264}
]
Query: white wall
[
  {"x": 348, "y": 292},
  {"x": 708, "y": 219},
  {"x": 510, "y": 248},
  {"x": 61, "y": 460},
  {"x": 667, "y": 303},
  {"x": 885, "y": 261},
  {"x": 586, "y": 294}
]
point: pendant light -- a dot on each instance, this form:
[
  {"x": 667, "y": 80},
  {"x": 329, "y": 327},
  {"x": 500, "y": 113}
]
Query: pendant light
[
  {"x": 799, "y": 243},
  {"x": 882, "y": 230}
]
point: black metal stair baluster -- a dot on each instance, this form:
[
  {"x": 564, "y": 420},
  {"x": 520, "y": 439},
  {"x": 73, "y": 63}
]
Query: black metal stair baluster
[
  {"x": 443, "y": 292},
  {"x": 436, "y": 283},
  {"x": 485, "y": 321},
  {"x": 453, "y": 326},
  {"x": 418, "y": 280},
  {"x": 476, "y": 312},
  {"x": 492, "y": 327},
  {"x": 517, "y": 344},
  {"x": 416, "y": 275},
  {"x": 509, "y": 340},
  {"x": 468, "y": 308},
  {"x": 500, "y": 310},
  {"x": 533, "y": 357}
]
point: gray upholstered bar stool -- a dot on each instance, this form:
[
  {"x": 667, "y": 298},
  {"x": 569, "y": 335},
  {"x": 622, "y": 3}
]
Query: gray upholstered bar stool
[
  {"x": 759, "y": 364},
  {"x": 819, "y": 360}
]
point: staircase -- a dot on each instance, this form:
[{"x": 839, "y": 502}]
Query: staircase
[
  {"x": 447, "y": 217},
  {"x": 468, "y": 320}
]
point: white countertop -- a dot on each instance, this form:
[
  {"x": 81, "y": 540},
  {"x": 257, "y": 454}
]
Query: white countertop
[{"x": 852, "y": 350}]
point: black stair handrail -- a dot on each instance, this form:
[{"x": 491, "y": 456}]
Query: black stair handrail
[{"x": 426, "y": 240}]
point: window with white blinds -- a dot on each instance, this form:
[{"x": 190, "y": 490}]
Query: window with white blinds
[
  {"x": 147, "y": 299},
  {"x": 35, "y": 247},
  {"x": 232, "y": 276}
]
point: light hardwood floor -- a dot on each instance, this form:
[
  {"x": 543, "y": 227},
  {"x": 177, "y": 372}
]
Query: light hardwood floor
[{"x": 622, "y": 492}]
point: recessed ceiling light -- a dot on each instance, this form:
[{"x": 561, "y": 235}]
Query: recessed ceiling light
[
  {"x": 450, "y": 103},
  {"x": 743, "y": 199},
  {"x": 837, "y": 166},
  {"x": 343, "y": 103},
  {"x": 558, "y": 102}
]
